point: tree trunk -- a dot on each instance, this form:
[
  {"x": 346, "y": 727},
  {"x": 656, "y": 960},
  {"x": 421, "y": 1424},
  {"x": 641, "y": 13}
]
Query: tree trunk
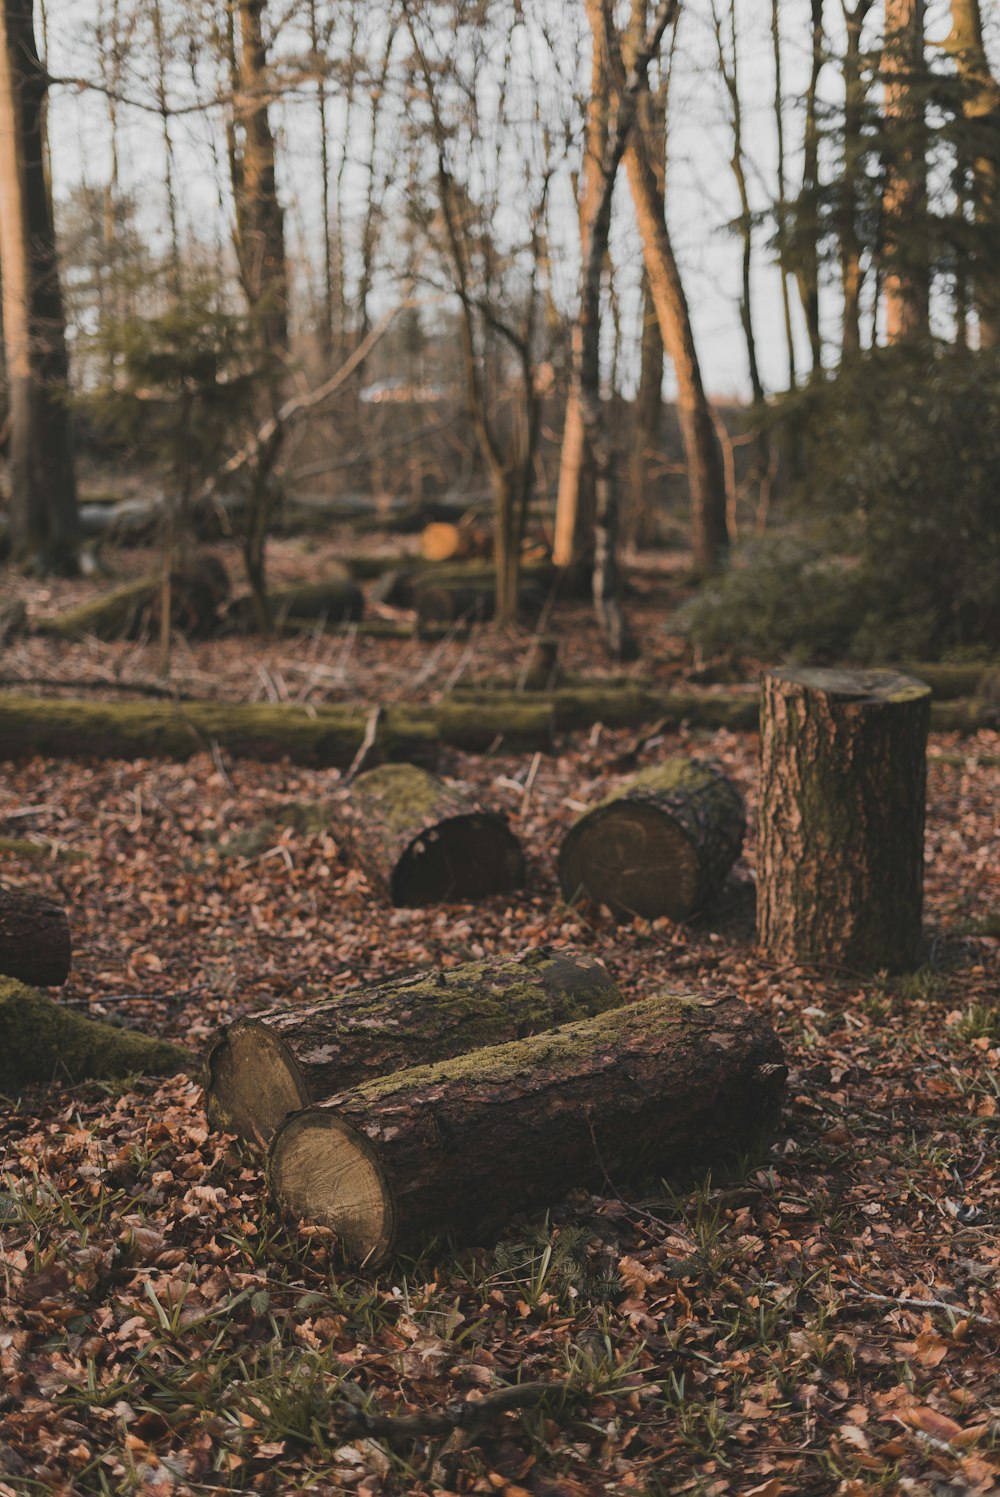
[
  {"x": 981, "y": 108},
  {"x": 906, "y": 230},
  {"x": 661, "y": 845},
  {"x": 43, "y": 512},
  {"x": 852, "y": 180},
  {"x": 41, "y": 1041},
  {"x": 807, "y": 228},
  {"x": 420, "y": 842},
  {"x": 35, "y": 943},
  {"x": 260, "y": 1069},
  {"x": 707, "y": 481},
  {"x": 259, "y": 217},
  {"x": 841, "y": 820},
  {"x": 650, "y": 1089}
]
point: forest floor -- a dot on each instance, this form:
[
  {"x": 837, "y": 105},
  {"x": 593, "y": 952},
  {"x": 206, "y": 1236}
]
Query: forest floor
[{"x": 828, "y": 1322}]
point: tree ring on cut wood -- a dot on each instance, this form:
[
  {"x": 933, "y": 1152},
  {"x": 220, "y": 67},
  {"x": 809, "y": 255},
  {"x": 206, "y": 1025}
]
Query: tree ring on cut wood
[
  {"x": 328, "y": 1160},
  {"x": 660, "y": 845},
  {"x": 258, "y": 1079}
]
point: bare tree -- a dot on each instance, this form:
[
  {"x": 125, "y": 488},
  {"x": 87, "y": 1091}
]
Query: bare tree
[
  {"x": 906, "y": 244},
  {"x": 43, "y": 514}
]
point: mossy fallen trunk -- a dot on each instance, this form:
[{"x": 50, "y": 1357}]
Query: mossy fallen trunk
[
  {"x": 949, "y": 680},
  {"x": 840, "y": 852},
  {"x": 260, "y": 1069},
  {"x": 35, "y": 942},
  {"x": 40, "y": 1041},
  {"x": 198, "y": 591},
  {"x": 460, "y": 1147},
  {"x": 662, "y": 844},
  {"x": 419, "y": 841},
  {"x": 512, "y": 724},
  {"x": 337, "y": 600}
]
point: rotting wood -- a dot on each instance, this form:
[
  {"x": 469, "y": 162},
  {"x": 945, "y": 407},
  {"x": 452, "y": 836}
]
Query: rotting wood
[
  {"x": 651, "y": 1089},
  {"x": 661, "y": 844},
  {"x": 261, "y": 1068},
  {"x": 35, "y": 942},
  {"x": 420, "y": 841}
]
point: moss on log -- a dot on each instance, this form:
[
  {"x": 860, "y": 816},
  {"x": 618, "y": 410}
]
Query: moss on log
[
  {"x": 949, "y": 679},
  {"x": 662, "y": 844},
  {"x": 35, "y": 942},
  {"x": 40, "y": 1041},
  {"x": 260, "y": 1069},
  {"x": 420, "y": 841},
  {"x": 198, "y": 591},
  {"x": 643, "y": 1091},
  {"x": 840, "y": 853},
  {"x": 337, "y": 600}
]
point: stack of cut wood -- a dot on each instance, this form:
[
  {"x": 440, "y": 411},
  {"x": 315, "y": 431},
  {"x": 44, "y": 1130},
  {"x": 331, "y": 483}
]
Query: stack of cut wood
[{"x": 535, "y": 1079}]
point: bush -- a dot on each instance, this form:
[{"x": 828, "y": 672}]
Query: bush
[{"x": 900, "y": 510}]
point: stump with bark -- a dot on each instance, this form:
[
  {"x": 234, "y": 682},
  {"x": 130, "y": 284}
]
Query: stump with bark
[
  {"x": 41, "y": 1041},
  {"x": 660, "y": 845},
  {"x": 35, "y": 943},
  {"x": 420, "y": 841},
  {"x": 260, "y": 1069},
  {"x": 647, "y": 1090},
  {"x": 841, "y": 820}
]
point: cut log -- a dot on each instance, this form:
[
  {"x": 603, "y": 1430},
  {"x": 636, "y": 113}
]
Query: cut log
[
  {"x": 198, "y": 590},
  {"x": 660, "y": 845},
  {"x": 444, "y": 540},
  {"x": 260, "y": 1069},
  {"x": 336, "y": 600},
  {"x": 840, "y": 851},
  {"x": 35, "y": 944},
  {"x": 42, "y": 1041},
  {"x": 419, "y": 841},
  {"x": 460, "y": 1147}
]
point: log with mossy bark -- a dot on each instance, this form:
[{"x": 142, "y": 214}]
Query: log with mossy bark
[
  {"x": 661, "y": 844},
  {"x": 335, "y": 600},
  {"x": 199, "y": 589},
  {"x": 645, "y": 1091},
  {"x": 420, "y": 841},
  {"x": 41, "y": 1041},
  {"x": 840, "y": 850},
  {"x": 262, "y": 1068},
  {"x": 35, "y": 942}
]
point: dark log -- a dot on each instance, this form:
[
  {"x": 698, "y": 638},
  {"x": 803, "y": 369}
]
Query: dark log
[
  {"x": 13, "y": 621},
  {"x": 336, "y": 600},
  {"x": 198, "y": 591},
  {"x": 662, "y": 844},
  {"x": 35, "y": 943},
  {"x": 42, "y": 1041},
  {"x": 460, "y": 1147},
  {"x": 948, "y": 679},
  {"x": 420, "y": 841},
  {"x": 260, "y": 1069},
  {"x": 840, "y": 852}
]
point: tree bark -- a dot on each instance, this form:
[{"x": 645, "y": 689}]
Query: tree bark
[
  {"x": 660, "y": 845},
  {"x": 841, "y": 819},
  {"x": 260, "y": 228},
  {"x": 981, "y": 109},
  {"x": 906, "y": 229},
  {"x": 420, "y": 842},
  {"x": 650, "y": 1089},
  {"x": 35, "y": 942},
  {"x": 262, "y": 1068},
  {"x": 43, "y": 512}
]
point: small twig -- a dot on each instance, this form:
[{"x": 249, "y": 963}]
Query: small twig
[
  {"x": 906, "y": 1302},
  {"x": 464, "y": 1415},
  {"x": 221, "y": 769},
  {"x": 529, "y": 784},
  {"x": 367, "y": 744}
]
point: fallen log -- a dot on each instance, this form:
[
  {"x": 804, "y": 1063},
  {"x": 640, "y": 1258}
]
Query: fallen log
[
  {"x": 840, "y": 852},
  {"x": 662, "y": 844},
  {"x": 949, "y": 679},
  {"x": 35, "y": 942},
  {"x": 444, "y": 540},
  {"x": 40, "y": 1041},
  {"x": 198, "y": 590},
  {"x": 420, "y": 841},
  {"x": 336, "y": 600},
  {"x": 260, "y": 1069},
  {"x": 459, "y": 1147}
]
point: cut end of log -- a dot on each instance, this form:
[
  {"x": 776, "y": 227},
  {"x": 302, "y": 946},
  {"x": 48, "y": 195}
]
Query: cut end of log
[
  {"x": 634, "y": 861},
  {"x": 465, "y": 857},
  {"x": 876, "y": 686},
  {"x": 324, "y": 1170},
  {"x": 252, "y": 1083}
]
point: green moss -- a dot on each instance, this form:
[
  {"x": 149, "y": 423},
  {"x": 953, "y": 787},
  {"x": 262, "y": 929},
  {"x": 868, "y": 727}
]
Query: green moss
[
  {"x": 109, "y": 616},
  {"x": 43, "y": 1041},
  {"x": 405, "y": 795},
  {"x": 38, "y": 852}
]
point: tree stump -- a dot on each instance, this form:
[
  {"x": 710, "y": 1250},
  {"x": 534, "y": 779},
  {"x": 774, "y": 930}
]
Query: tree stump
[
  {"x": 260, "y": 1069},
  {"x": 35, "y": 942},
  {"x": 459, "y": 1147},
  {"x": 41, "y": 1041},
  {"x": 841, "y": 843},
  {"x": 661, "y": 845},
  {"x": 421, "y": 842}
]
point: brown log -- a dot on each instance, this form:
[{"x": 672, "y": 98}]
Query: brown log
[
  {"x": 420, "y": 841},
  {"x": 35, "y": 943},
  {"x": 660, "y": 845},
  {"x": 841, "y": 817},
  {"x": 198, "y": 590},
  {"x": 262, "y": 1068},
  {"x": 459, "y": 1147}
]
